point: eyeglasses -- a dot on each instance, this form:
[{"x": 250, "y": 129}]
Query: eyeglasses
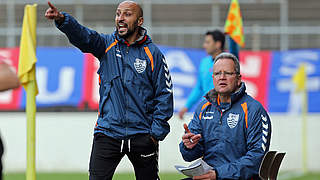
[{"x": 226, "y": 73}]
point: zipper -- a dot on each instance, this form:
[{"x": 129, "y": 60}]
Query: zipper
[
  {"x": 126, "y": 100},
  {"x": 221, "y": 114},
  {"x": 127, "y": 50}
]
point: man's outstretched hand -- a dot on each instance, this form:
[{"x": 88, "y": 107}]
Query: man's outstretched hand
[{"x": 52, "y": 13}]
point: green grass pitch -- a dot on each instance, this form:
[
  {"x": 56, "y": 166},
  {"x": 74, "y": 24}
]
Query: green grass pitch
[
  {"x": 130, "y": 176},
  {"x": 83, "y": 176}
]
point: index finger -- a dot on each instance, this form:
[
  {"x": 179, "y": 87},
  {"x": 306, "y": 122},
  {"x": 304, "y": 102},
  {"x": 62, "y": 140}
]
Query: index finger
[
  {"x": 187, "y": 136},
  {"x": 186, "y": 128},
  {"x": 51, "y": 5}
]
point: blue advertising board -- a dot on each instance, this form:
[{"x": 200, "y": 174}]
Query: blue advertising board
[
  {"x": 59, "y": 77},
  {"x": 282, "y": 95}
]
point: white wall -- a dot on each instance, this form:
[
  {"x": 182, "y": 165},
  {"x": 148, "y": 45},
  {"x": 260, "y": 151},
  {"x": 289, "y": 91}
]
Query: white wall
[{"x": 64, "y": 141}]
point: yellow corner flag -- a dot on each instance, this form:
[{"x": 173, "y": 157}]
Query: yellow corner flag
[
  {"x": 233, "y": 25},
  {"x": 27, "y": 76},
  {"x": 300, "y": 81}
]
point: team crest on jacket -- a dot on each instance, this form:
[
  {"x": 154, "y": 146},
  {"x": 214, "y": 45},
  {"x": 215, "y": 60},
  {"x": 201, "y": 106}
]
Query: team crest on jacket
[
  {"x": 140, "y": 65},
  {"x": 232, "y": 120}
]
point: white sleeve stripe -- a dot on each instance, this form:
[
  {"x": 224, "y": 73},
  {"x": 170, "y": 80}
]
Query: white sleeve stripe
[
  {"x": 265, "y": 127},
  {"x": 264, "y": 139},
  {"x": 168, "y": 76},
  {"x": 263, "y": 147}
]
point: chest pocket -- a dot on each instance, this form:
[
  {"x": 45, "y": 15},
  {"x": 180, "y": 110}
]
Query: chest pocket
[{"x": 235, "y": 129}]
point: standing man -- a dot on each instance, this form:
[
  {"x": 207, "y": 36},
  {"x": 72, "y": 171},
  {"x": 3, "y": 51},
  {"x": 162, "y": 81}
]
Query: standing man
[
  {"x": 136, "y": 98},
  {"x": 230, "y": 130},
  {"x": 8, "y": 80},
  {"x": 213, "y": 44}
]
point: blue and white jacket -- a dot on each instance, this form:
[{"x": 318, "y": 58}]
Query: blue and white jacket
[
  {"x": 135, "y": 84},
  {"x": 235, "y": 136}
]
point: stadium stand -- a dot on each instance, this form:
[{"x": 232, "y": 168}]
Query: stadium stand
[{"x": 181, "y": 23}]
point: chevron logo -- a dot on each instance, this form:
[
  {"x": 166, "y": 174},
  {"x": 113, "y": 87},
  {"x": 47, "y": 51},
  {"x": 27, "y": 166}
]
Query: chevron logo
[
  {"x": 265, "y": 127},
  {"x": 264, "y": 139},
  {"x": 164, "y": 61},
  {"x": 167, "y": 75},
  {"x": 169, "y": 83},
  {"x": 263, "y": 147},
  {"x": 264, "y": 118},
  {"x": 169, "y": 90},
  {"x": 166, "y": 69},
  {"x": 265, "y": 132}
]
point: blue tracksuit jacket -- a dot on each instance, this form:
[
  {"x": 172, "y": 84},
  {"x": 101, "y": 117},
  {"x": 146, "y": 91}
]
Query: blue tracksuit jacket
[
  {"x": 234, "y": 138},
  {"x": 135, "y": 84}
]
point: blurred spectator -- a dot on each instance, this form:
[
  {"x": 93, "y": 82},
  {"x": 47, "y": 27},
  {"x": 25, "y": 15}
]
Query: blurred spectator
[{"x": 213, "y": 44}]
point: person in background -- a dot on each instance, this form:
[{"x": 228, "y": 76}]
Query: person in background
[
  {"x": 8, "y": 80},
  {"x": 213, "y": 44},
  {"x": 136, "y": 99},
  {"x": 230, "y": 130}
]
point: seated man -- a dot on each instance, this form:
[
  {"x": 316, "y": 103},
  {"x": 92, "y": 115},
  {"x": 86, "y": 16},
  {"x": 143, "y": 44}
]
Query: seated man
[{"x": 230, "y": 130}]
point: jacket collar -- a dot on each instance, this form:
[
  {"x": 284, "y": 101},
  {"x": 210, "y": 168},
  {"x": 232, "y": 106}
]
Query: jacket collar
[
  {"x": 213, "y": 98},
  {"x": 144, "y": 38}
]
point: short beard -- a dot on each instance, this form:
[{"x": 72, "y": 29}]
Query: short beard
[{"x": 130, "y": 32}]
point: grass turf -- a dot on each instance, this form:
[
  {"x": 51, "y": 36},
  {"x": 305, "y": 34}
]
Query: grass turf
[
  {"x": 130, "y": 176},
  {"x": 83, "y": 176}
]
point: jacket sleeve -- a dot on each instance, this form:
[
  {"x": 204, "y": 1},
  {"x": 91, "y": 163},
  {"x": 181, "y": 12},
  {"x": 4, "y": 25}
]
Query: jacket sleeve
[
  {"x": 163, "y": 97},
  {"x": 196, "y": 128},
  {"x": 195, "y": 94},
  {"x": 258, "y": 142},
  {"x": 233, "y": 47},
  {"x": 87, "y": 40}
]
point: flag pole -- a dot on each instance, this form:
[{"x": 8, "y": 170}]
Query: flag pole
[
  {"x": 304, "y": 132},
  {"x": 300, "y": 80},
  {"x": 31, "y": 132},
  {"x": 27, "y": 77}
]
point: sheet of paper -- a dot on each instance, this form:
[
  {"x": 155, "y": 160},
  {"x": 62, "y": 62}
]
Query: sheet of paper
[{"x": 197, "y": 168}]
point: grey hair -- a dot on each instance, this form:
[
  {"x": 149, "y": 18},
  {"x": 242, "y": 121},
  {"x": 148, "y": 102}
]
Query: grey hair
[{"x": 226, "y": 55}]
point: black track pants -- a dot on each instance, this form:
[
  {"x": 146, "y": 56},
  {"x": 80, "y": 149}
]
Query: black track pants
[{"x": 107, "y": 153}]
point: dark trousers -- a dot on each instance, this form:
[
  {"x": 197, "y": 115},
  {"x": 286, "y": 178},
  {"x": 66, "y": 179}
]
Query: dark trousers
[{"x": 107, "y": 153}]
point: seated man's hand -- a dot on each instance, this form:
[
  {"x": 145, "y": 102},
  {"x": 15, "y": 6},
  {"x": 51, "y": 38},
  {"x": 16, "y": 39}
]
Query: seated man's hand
[
  {"x": 211, "y": 175},
  {"x": 189, "y": 139}
]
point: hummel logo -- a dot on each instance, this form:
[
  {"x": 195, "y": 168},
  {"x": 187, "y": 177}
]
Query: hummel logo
[
  {"x": 208, "y": 116},
  {"x": 148, "y": 155}
]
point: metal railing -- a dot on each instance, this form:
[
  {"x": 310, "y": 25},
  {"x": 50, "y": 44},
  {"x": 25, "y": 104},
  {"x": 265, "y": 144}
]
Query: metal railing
[{"x": 256, "y": 32}]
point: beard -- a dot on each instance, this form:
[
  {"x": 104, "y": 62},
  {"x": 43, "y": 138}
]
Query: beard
[{"x": 130, "y": 31}]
